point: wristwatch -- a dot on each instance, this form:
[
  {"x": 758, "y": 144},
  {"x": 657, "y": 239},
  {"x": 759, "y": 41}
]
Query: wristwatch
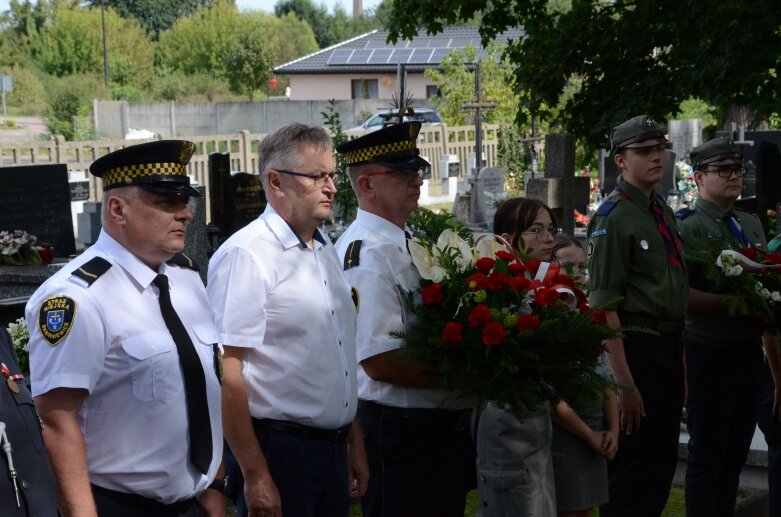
[{"x": 221, "y": 485}]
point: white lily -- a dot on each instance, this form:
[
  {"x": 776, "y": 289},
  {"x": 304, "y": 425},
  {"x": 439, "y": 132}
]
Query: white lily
[
  {"x": 426, "y": 264},
  {"x": 450, "y": 239}
]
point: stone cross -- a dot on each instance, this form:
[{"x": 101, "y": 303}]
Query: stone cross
[{"x": 559, "y": 188}]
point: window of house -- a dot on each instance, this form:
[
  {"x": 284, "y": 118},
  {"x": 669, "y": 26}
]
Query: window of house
[
  {"x": 432, "y": 91},
  {"x": 365, "y": 89}
]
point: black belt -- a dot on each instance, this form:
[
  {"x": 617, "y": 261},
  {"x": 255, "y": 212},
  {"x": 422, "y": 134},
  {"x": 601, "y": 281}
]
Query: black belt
[
  {"x": 455, "y": 415},
  {"x": 651, "y": 323},
  {"x": 112, "y": 502},
  {"x": 301, "y": 431}
]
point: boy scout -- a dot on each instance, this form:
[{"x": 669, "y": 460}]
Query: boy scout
[
  {"x": 638, "y": 274},
  {"x": 723, "y": 357}
]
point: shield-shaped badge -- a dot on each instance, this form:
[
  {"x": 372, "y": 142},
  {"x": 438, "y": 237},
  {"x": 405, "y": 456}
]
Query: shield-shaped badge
[{"x": 55, "y": 318}]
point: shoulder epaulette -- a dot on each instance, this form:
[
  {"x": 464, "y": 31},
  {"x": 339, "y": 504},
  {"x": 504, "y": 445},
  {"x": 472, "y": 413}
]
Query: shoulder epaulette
[
  {"x": 683, "y": 213},
  {"x": 182, "y": 260},
  {"x": 352, "y": 256},
  {"x": 607, "y": 206},
  {"x": 92, "y": 269}
]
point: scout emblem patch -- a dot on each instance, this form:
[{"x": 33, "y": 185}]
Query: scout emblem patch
[{"x": 55, "y": 318}]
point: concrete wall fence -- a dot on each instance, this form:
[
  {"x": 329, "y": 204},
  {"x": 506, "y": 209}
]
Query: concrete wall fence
[{"x": 113, "y": 119}]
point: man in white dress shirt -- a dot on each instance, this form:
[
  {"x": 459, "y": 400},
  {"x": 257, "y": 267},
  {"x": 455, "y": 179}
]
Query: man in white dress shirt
[
  {"x": 286, "y": 317},
  {"x": 416, "y": 433},
  {"x": 124, "y": 355}
]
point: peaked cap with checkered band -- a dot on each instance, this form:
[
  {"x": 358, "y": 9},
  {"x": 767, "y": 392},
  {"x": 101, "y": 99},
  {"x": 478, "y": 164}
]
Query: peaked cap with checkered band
[
  {"x": 159, "y": 166},
  {"x": 394, "y": 146}
]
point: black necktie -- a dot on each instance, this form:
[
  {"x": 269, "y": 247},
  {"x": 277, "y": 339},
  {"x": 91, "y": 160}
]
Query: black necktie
[{"x": 194, "y": 381}]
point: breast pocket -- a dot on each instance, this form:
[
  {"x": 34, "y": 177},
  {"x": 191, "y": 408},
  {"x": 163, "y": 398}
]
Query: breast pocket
[
  {"x": 649, "y": 254},
  {"x": 154, "y": 366}
]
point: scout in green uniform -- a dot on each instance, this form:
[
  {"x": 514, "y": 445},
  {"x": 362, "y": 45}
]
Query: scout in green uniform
[
  {"x": 638, "y": 273},
  {"x": 723, "y": 354}
]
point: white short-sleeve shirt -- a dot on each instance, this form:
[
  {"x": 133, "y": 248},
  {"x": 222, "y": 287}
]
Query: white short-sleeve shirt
[
  {"x": 291, "y": 307},
  {"x": 118, "y": 348},
  {"x": 384, "y": 269}
]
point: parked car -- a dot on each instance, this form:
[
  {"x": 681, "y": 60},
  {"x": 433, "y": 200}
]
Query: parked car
[{"x": 373, "y": 123}]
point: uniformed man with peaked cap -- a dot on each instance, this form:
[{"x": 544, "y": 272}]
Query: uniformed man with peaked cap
[
  {"x": 123, "y": 352},
  {"x": 638, "y": 273},
  {"x": 723, "y": 354},
  {"x": 416, "y": 433}
]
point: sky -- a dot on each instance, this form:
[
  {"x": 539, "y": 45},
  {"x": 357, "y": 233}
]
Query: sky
[{"x": 268, "y": 5}]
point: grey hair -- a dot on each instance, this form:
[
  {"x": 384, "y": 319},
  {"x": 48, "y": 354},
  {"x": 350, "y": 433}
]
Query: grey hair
[
  {"x": 128, "y": 193},
  {"x": 279, "y": 150}
]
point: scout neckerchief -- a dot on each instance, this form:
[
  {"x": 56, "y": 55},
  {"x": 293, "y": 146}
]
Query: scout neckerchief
[{"x": 672, "y": 246}]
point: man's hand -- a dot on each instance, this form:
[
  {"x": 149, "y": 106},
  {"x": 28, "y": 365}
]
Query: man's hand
[
  {"x": 262, "y": 498},
  {"x": 212, "y": 502},
  {"x": 630, "y": 409},
  {"x": 357, "y": 464}
]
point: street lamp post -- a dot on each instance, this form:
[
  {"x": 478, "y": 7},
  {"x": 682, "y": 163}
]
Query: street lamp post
[{"x": 105, "y": 54}]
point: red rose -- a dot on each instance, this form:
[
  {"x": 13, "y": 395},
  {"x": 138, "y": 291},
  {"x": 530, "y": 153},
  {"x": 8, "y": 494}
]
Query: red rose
[
  {"x": 493, "y": 334},
  {"x": 451, "y": 334},
  {"x": 532, "y": 265},
  {"x": 479, "y": 279},
  {"x": 497, "y": 281},
  {"x": 485, "y": 264},
  {"x": 546, "y": 297},
  {"x": 528, "y": 322},
  {"x": 772, "y": 258},
  {"x": 749, "y": 253},
  {"x": 433, "y": 294},
  {"x": 520, "y": 283},
  {"x": 564, "y": 279},
  {"x": 480, "y": 315},
  {"x": 505, "y": 255},
  {"x": 599, "y": 316},
  {"x": 516, "y": 268}
]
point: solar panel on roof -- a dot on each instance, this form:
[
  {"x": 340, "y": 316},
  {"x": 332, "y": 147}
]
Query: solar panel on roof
[
  {"x": 376, "y": 44},
  {"x": 420, "y": 55},
  {"x": 339, "y": 57},
  {"x": 400, "y": 55},
  {"x": 459, "y": 42},
  {"x": 360, "y": 57},
  {"x": 381, "y": 56},
  {"x": 439, "y": 54},
  {"x": 419, "y": 43}
]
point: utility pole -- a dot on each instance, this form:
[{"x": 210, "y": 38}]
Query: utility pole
[{"x": 105, "y": 53}]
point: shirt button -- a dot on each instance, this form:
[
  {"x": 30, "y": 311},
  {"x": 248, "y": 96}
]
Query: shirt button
[
  {"x": 154, "y": 348},
  {"x": 345, "y": 404},
  {"x": 325, "y": 282},
  {"x": 332, "y": 312},
  {"x": 340, "y": 343},
  {"x": 346, "y": 374}
]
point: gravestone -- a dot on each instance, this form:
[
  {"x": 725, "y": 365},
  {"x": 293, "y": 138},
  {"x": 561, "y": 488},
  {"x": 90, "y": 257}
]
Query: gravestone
[
  {"x": 559, "y": 188},
  {"x": 196, "y": 245},
  {"x": 36, "y": 199},
  {"x": 491, "y": 186},
  {"x": 89, "y": 224},
  {"x": 684, "y": 135},
  {"x": 235, "y": 199}
]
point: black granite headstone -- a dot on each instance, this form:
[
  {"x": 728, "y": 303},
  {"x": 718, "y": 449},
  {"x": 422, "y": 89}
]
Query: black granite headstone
[
  {"x": 37, "y": 199},
  {"x": 235, "y": 198}
]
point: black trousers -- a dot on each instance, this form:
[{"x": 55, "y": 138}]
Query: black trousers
[
  {"x": 119, "y": 504},
  {"x": 421, "y": 462},
  {"x": 771, "y": 428},
  {"x": 641, "y": 474}
]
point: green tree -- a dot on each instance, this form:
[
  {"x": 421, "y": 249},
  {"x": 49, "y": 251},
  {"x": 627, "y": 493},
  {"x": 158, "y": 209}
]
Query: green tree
[
  {"x": 627, "y": 57},
  {"x": 70, "y": 101},
  {"x": 72, "y": 44},
  {"x": 248, "y": 64},
  {"x": 155, "y": 16},
  {"x": 315, "y": 16}
]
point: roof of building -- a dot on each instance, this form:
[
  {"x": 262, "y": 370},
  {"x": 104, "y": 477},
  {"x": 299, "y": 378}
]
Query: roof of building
[{"x": 371, "y": 53}]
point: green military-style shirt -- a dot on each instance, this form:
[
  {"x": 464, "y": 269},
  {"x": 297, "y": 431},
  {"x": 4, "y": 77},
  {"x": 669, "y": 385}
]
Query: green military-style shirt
[
  {"x": 628, "y": 259},
  {"x": 703, "y": 228}
]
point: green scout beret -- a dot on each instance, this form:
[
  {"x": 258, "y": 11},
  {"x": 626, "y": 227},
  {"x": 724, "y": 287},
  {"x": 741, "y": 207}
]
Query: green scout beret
[
  {"x": 641, "y": 131},
  {"x": 394, "y": 146},
  {"x": 719, "y": 151},
  {"x": 159, "y": 166}
]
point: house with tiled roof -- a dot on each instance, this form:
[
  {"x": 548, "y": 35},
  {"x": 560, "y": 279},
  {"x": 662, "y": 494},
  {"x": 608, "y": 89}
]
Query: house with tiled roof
[{"x": 366, "y": 67}]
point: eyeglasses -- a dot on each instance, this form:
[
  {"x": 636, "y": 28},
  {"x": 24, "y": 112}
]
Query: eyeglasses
[
  {"x": 407, "y": 175},
  {"x": 318, "y": 179},
  {"x": 542, "y": 234},
  {"x": 726, "y": 173}
]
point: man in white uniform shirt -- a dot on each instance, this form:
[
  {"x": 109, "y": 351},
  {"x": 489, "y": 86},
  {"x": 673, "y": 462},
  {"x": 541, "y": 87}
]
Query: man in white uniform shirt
[
  {"x": 416, "y": 434},
  {"x": 124, "y": 353},
  {"x": 287, "y": 320}
]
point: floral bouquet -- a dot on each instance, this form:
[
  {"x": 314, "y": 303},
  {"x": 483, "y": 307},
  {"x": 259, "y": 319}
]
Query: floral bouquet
[
  {"x": 684, "y": 176},
  {"x": 497, "y": 328},
  {"x": 754, "y": 280},
  {"x": 20, "y": 337},
  {"x": 18, "y": 248}
]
